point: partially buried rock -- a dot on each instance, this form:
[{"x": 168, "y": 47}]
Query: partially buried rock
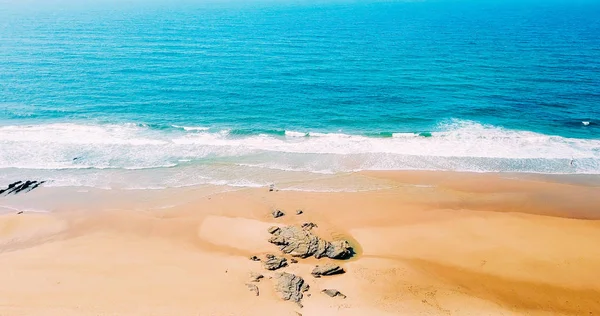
[
  {"x": 293, "y": 260},
  {"x": 277, "y": 213},
  {"x": 274, "y": 263},
  {"x": 303, "y": 243},
  {"x": 309, "y": 226},
  {"x": 253, "y": 288},
  {"x": 333, "y": 293},
  {"x": 326, "y": 269},
  {"x": 256, "y": 277},
  {"x": 255, "y": 258},
  {"x": 273, "y": 230},
  {"x": 299, "y": 212},
  {"x": 291, "y": 287}
]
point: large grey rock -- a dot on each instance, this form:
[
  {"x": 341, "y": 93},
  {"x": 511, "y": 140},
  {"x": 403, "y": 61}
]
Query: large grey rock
[
  {"x": 273, "y": 263},
  {"x": 333, "y": 293},
  {"x": 300, "y": 242},
  {"x": 338, "y": 249},
  {"x": 291, "y": 287},
  {"x": 326, "y": 269}
]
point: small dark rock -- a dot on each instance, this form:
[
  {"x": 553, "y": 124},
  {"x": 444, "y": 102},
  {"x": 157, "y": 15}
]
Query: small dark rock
[
  {"x": 293, "y": 260},
  {"x": 271, "y": 188},
  {"x": 253, "y": 288},
  {"x": 255, "y": 277},
  {"x": 277, "y": 213},
  {"x": 327, "y": 269},
  {"x": 255, "y": 258},
  {"x": 274, "y": 263},
  {"x": 269, "y": 256},
  {"x": 333, "y": 293},
  {"x": 19, "y": 212},
  {"x": 299, "y": 212}
]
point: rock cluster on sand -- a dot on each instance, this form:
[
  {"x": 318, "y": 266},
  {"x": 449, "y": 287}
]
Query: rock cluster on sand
[
  {"x": 273, "y": 262},
  {"x": 326, "y": 269},
  {"x": 291, "y": 287},
  {"x": 300, "y": 242}
]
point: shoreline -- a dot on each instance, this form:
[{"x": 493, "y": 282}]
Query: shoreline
[{"x": 432, "y": 243}]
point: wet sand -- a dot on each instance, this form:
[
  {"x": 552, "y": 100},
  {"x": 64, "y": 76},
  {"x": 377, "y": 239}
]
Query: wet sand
[{"x": 430, "y": 243}]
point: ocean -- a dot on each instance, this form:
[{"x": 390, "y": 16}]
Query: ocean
[{"x": 161, "y": 94}]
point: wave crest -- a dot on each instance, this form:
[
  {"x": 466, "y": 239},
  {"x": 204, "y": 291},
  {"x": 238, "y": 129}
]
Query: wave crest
[{"x": 454, "y": 145}]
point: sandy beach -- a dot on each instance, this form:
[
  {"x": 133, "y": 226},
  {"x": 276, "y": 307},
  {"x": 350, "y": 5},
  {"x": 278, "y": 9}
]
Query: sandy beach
[{"x": 427, "y": 243}]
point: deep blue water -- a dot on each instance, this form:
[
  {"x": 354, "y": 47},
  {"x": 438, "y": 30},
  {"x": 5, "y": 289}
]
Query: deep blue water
[{"x": 321, "y": 87}]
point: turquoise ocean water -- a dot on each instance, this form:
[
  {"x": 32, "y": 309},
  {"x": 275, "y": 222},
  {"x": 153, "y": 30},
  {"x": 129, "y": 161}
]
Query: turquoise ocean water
[{"x": 177, "y": 93}]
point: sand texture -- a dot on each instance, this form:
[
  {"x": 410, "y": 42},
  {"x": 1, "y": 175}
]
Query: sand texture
[{"x": 430, "y": 244}]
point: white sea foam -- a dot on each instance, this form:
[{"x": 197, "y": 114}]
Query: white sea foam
[
  {"x": 458, "y": 145},
  {"x": 192, "y": 128},
  {"x": 295, "y": 134}
]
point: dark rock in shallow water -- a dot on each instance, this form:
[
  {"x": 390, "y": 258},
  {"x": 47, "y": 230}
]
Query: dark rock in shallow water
[
  {"x": 327, "y": 269},
  {"x": 333, "y": 293},
  {"x": 291, "y": 287},
  {"x": 303, "y": 243},
  {"x": 21, "y": 187},
  {"x": 274, "y": 263},
  {"x": 277, "y": 213},
  {"x": 253, "y": 288}
]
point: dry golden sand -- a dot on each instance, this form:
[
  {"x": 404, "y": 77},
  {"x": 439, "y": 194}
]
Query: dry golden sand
[{"x": 455, "y": 244}]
